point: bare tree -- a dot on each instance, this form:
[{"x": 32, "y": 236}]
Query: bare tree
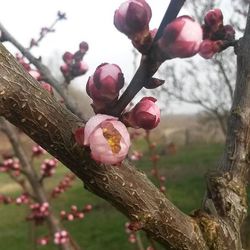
[
  {"x": 207, "y": 84},
  {"x": 216, "y": 225}
]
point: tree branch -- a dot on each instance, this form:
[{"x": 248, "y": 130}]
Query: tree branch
[
  {"x": 25, "y": 104},
  {"x": 45, "y": 72}
]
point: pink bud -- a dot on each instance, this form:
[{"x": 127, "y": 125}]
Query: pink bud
[
  {"x": 229, "y": 32},
  {"x": 106, "y": 83},
  {"x": 79, "y": 135},
  {"x": 35, "y": 74},
  {"x": 108, "y": 139},
  {"x": 214, "y": 19},
  {"x": 132, "y": 17},
  {"x": 65, "y": 69},
  {"x": 208, "y": 48},
  {"x": 145, "y": 114},
  {"x": 68, "y": 57},
  {"x": 181, "y": 38},
  {"x": 47, "y": 87},
  {"x": 80, "y": 68},
  {"x": 84, "y": 47}
]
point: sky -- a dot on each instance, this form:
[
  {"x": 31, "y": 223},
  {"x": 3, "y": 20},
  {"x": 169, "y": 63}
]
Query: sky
[{"x": 91, "y": 21}]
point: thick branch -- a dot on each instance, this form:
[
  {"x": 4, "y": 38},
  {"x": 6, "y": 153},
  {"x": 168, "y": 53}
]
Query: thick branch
[
  {"x": 25, "y": 104},
  {"x": 227, "y": 188}
]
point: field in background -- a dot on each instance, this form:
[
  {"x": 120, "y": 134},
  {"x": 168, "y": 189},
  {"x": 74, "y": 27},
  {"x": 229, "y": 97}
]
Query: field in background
[{"x": 104, "y": 227}]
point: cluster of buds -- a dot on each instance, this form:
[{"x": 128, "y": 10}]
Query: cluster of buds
[
  {"x": 63, "y": 185},
  {"x": 43, "y": 241},
  {"x": 10, "y": 165},
  {"x": 216, "y": 35},
  {"x": 48, "y": 167},
  {"x": 23, "y": 199},
  {"x": 145, "y": 114},
  {"x": 37, "y": 151},
  {"x": 181, "y": 38},
  {"x": 61, "y": 237},
  {"x": 39, "y": 212},
  {"x": 104, "y": 85},
  {"x": 73, "y": 63},
  {"x": 107, "y": 138},
  {"x": 34, "y": 73},
  {"x": 75, "y": 213},
  {"x": 5, "y": 199}
]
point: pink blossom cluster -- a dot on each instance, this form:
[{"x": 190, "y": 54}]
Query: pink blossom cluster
[
  {"x": 75, "y": 213},
  {"x": 12, "y": 165},
  {"x": 48, "y": 167},
  {"x": 34, "y": 73},
  {"x": 63, "y": 185},
  {"x": 23, "y": 199},
  {"x": 181, "y": 38},
  {"x": 73, "y": 63},
  {"x": 39, "y": 212},
  {"x": 43, "y": 241},
  {"x": 61, "y": 237},
  {"x": 215, "y": 34},
  {"x": 37, "y": 151}
]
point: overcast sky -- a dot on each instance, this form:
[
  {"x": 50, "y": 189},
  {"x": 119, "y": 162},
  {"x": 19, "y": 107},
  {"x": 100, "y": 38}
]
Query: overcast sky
[{"x": 90, "y": 20}]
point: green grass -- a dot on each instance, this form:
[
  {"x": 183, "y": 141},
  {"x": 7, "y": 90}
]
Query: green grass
[{"x": 104, "y": 227}]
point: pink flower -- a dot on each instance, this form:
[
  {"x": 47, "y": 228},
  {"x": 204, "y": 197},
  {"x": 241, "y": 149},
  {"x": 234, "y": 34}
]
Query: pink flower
[
  {"x": 47, "y": 87},
  {"x": 107, "y": 138},
  {"x": 105, "y": 84},
  {"x": 208, "y": 48},
  {"x": 35, "y": 74},
  {"x": 214, "y": 19},
  {"x": 132, "y": 17},
  {"x": 181, "y": 38},
  {"x": 145, "y": 114}
]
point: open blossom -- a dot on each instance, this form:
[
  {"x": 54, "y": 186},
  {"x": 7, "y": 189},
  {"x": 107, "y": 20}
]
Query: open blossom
[
  {"x": 107, "y": 138},
  {"x": 132, "y": 17},
  {"x": 181, "y": 38},
  {"x": 145, "y": 114}
]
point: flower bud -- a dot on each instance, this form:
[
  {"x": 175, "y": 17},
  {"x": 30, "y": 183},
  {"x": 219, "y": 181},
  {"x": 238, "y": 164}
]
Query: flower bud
[
  {"x": 107, "y": 138},
  {"x": 68, "y": 57},
  {"x": 208, "y": 48},
  {"x": 229, "y": 32},
  {"x": 145, "y": 114},
  {"x": 84, "y": 47},
  {"x": 214, "y": 19},
  {"x": 181, "y": 38},
  {"x": 80, "y": 68},
  {"x": 132, "y": 17},
  {"x": 106, "y": 82}
]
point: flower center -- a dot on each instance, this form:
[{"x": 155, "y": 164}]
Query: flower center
[{"x": 112, "y": 136}]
